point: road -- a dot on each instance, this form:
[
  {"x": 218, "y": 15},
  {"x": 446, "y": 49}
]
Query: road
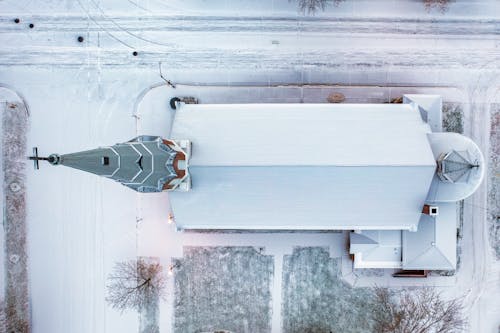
[{"x": 480, "y": 272}]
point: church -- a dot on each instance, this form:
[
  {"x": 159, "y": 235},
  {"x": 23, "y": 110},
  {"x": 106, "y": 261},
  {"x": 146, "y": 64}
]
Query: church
[{"x": 385, "y": 172}]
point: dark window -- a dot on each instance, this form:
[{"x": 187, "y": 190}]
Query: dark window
[
  {"x": 434, "y": 211},
  {"x": 105, "y": 160}
]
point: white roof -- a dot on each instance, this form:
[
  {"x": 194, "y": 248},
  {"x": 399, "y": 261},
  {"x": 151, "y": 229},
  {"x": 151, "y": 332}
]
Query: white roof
[
  {"x": 303, "y": 134},
  {"x": 429, "y": 106},
  {"x": 314, "y": 198},
  {"x": 434, "y": 245},
  {"x": 374, "y": 248},
  {"x": 303, "y": 166},
  {"x": 363, "y": 242}
]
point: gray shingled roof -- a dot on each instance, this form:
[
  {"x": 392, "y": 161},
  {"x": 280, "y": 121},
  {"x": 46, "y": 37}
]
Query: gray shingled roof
[{"x": 144, "y": 163}]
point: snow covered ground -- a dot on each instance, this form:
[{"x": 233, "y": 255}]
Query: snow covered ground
[
  {"x": 97, "y": 92},
  {"x": 223, "y": 288}
]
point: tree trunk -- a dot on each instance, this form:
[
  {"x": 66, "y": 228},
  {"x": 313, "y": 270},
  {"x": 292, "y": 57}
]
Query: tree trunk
[{"x": 148, "y": 317}]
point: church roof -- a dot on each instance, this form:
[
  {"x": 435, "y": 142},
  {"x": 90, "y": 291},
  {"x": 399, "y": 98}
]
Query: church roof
[
  {"x": 314, "y": 198},
  {"x": 456, "y": 166},
  {"x": 462, "y": 180},
  {"x": 376, "y": 246},
  {"x": 304, "y": 134},
  {"x": 145, "y": 163},
  {"x": 363, "y": 242},
  {"x": 433, "y": 246},
  {"x": 303, "y": 166}
]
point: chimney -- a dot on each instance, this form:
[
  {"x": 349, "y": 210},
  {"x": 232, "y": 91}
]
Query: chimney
[{"x": 430, "y": 210}]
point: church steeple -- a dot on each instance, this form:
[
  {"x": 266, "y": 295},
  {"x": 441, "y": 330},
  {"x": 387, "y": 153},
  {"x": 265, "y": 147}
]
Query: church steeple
[{"x": 145, "y": 163}]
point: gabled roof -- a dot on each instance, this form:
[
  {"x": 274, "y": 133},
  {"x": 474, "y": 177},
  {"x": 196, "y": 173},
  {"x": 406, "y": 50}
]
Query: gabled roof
[
  {"x": 304, "y": 134},
  {"x": 303, "y": 197},
  {"x": 303, "y": 166}
]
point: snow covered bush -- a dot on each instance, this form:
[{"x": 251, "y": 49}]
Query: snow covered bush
[
  {"x": 135, "y": 284},
  {"x": 494, "y": 181},
  {"x": 3, "y": 320},
  {"x": 312, "y": 6},
  {"x": 442, "y": 5},
  {"x": 453, "y": 117},
  {"x": 422, "y": 310}
]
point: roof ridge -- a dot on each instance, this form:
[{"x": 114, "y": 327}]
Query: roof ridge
[{"x": 433, "y": 250}]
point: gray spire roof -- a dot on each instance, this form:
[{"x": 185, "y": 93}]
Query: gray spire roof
[
  {"x": 456, "y": 166},
  {"x": 145, "y": 163}
]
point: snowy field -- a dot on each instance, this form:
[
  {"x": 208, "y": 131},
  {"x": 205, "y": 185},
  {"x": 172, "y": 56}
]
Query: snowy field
[
  {"x": 223, "y": 288},
  {"x": 97, "y": 92},
  {"x": 316, "y": 299}
]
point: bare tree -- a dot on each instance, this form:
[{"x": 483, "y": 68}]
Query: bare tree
[
  {"x": 442, "y": 5},
  {"x": 312, "y": 6},
  {"x": 135, "y": 284},
  {"x": 416, "y": 311}
]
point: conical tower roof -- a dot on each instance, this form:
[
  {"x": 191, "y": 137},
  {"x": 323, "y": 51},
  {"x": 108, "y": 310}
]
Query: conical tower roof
[
  {"x": 145, "y": 163},
  {"x": 456, "y": 166}
]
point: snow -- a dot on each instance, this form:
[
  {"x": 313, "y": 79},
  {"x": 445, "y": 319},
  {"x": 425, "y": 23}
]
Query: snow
[
  {"x": 286, "y": 166},
  {"x": 289, "y": 198},
  {"x": 434, "y": 245},
  {"x": 223, "y": 288},
  {"x": 83, "y": 95},
  {"x": 374, "y": 248},
  {"x": 316, "y": 299},
  {"x": 323, "y": 135}
]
